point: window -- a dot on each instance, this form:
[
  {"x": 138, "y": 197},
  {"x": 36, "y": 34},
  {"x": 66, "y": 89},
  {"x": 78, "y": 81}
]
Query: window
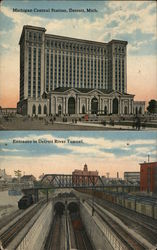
[
  {"x": 39, "y": 37},
  {"x": 30, "y": 35},
  {"x": 34, "y": 110},
  {"x": 45, "y": 110},
  {"x": 39, "y": 109},
  {"x": 35, "y": 36}
]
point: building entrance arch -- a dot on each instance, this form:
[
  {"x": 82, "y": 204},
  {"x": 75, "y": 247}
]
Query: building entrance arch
[
  {"x": 45, "y": 110},
  {"x": 39, "y": 109},
  {"x": 34, "y": 109},
  {"x": 83, "y": 109},
  {"x": 115, "y": 106},
  {"x": 71, "y": 105},
  {"x": 125, "y": 110},
  {"x": 59, "y": 109},
  {"x": 94, "y": 105},
  {"x": 105, "y": 110}
]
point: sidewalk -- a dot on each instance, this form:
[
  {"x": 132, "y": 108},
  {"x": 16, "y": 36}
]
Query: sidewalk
[{"x": 115, "y": 127}]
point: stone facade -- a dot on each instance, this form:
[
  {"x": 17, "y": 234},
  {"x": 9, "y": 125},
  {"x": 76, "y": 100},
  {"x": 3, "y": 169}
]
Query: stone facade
[
  {"x": 33, "y": 107},
  {"x": 139, "y": 107},
  {"x": 65, "y": 101},
  {"x": 75, "y": 101},
  {"x": 63, "y": 75}
]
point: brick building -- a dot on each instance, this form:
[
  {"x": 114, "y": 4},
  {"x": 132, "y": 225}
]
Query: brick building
[
  {"x": 148, "y": 177},
  {"x": 84, "y": 174}
]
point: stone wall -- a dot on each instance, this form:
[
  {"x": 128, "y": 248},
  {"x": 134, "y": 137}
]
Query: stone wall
[
  {"x": 34, "y": 240},
  {"x": 100, "y": 234}
]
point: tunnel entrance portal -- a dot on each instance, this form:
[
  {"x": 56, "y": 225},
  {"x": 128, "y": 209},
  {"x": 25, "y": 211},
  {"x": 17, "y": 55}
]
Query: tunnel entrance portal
[
  {"x": 73, "y": 207},
  {"x": 59, "y": 208}
]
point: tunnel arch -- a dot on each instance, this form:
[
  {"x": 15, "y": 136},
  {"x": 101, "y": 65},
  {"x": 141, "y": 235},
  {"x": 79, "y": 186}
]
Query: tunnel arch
[
  {"x": 59, "y": 207},
  {"x": 73, "y": 207}
]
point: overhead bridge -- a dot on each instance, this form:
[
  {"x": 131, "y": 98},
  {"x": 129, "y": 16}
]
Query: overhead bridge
[
  {"x": 63, "y": 181},
  {"x": 60, "y": 181},
  {"x": 71, "y": 181}
]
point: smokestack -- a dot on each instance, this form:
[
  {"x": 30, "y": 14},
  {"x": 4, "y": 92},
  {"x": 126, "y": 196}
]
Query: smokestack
[{"x": 117, "y": 175}]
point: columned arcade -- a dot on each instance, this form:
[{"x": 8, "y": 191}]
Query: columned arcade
[
  {"x": 69, "y": 101},
  {"x": 77, "y": 101}
]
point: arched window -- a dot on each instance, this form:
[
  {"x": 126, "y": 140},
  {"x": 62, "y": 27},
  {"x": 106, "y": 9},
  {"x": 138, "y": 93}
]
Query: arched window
[
  {"x": 125, "y": 110},
  {"x": 39, "y": 109},
  {"x": 59, "y": 109},
  {"x": 136, "y": 111},
  {"x": 83, "y": 109},
  {"x": 71, "y": 105},
  {"x": 94, "y": 105},
  {"x": 105, "y": 110},
  {"x": 45, "y": 110},
  {"x": 34, "y": 110},
  {"x": 115, "y": 106}
]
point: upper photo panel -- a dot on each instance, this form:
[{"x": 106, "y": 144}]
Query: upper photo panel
[{"x": 76, "y": 65}]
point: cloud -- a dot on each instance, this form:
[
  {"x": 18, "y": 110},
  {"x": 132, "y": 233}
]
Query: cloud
[
  {"x": 146, "y": 150},
  {"x": 65, "y": 164},
  {"x": 142, "y": 28},
  {"x": 10, "y": 150},
  {"x": 142, "y": 77},
  {"x": 114, "y": 143},
  {"x": 98, "y": 142},
  {"x": 136, "y": 14},
  {"x": 95, "y": 148},
  {"x": 106, "y": 152}
]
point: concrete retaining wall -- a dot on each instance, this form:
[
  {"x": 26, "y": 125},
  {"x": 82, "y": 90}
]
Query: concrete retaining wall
[
  {"x": 35, "y": 237},
  {"x": 101, "y": 235}
]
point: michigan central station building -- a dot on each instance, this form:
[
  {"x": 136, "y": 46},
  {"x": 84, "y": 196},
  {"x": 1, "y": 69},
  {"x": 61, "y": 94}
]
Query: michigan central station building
[{"x": 64, "y": 76}]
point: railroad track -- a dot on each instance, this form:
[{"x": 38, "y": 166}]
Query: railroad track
[
  {"x": 81, "y": 239},
  {"x": 148, "y": 231},
  {"x": 139, "y": 222},
  {"x": 129, "y": 242},
  {"x": 7, "y": 236},
  {"x": 54, "y": 238},
  {"x": 82, "y": 242},
  {"x": 6, "y": 219}
]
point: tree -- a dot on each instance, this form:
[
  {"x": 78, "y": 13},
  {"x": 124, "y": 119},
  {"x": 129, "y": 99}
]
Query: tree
[{"x": 152, "y": 106}]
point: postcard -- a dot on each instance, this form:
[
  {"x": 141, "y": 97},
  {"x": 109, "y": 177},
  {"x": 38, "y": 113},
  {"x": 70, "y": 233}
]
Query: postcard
[
  {"x": 78, "y": 190},
  {"x": 78, "y": 65},
  {"x": 78, "y": 125}
]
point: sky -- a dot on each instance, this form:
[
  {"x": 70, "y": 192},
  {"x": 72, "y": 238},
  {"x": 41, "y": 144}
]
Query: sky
[
  {"x": 133, "y": 21},
  {"x": 107, "y": 152}
]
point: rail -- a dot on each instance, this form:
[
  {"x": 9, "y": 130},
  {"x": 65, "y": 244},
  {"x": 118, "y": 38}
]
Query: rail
[
  {"x": 127, "y": 239},
  {"x": 9, "y": 234}
]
